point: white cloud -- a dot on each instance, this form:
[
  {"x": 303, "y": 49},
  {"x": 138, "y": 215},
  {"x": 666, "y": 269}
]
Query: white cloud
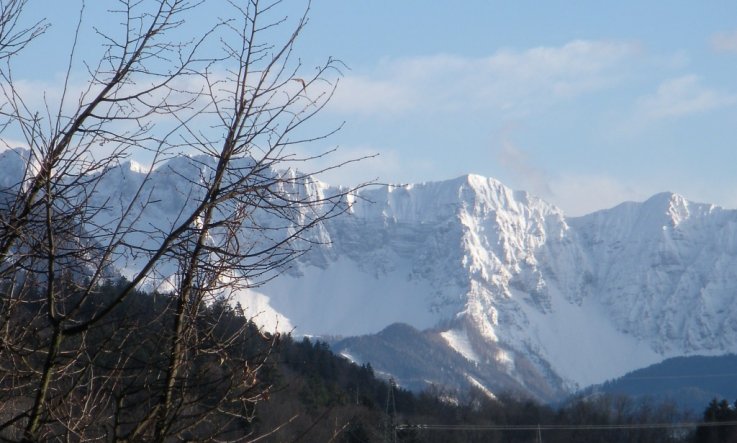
[
  {"x": 580, "y": 194},
  {"x": 363, "y": 95},
  {"x": 508, "y": 80},
  {"x": 533, "y": 178},
  {"x": 724, "y": 42},
  {"x": 575, "y": 193},
  {"x": 682, "y": 96}
]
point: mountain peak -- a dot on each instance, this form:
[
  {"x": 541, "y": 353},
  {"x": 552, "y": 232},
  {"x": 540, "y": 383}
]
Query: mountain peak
[
  {"x": 481, "y": 180},
  {"x": 134, "y": 166},
  {"x": 586, "y": 301},
  {"x": 12, "y": 166},
  {"x": 674, "y": 206},
  {"x": 663, "y": 198}
]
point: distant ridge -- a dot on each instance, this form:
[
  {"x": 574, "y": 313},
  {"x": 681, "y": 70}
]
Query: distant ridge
[
  {"x": 548, "y": 303},
  {"x": 690, "y": 382}
]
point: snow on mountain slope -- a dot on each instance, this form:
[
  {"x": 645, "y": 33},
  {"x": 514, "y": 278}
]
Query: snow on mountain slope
[
  {"x": 667, "y": 272},
  {"x": 504, "y": 279},
  {"x": 587, "y": 299},
  {"x": 344, "y": 299},
  {"x": 12, "y": 165},
  {"x": 163, "y": 198}
]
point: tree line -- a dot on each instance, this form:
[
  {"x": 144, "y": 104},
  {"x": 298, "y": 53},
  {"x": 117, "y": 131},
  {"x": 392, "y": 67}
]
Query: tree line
[{"x": 273, "y": 387}]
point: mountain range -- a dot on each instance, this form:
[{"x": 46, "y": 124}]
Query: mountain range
[{"x": 466, "y": 282}]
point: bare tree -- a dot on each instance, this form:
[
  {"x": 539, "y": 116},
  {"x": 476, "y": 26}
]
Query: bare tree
[
  {"x": 87, "y": 357},
  {"x": 14, "y": 36}
]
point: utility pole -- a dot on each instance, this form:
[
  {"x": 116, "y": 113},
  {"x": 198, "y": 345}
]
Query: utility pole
[{"x": 390, "y": 425}]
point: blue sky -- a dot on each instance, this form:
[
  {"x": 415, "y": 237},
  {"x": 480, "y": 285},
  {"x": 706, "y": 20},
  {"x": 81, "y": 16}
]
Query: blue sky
[{"x": 585, "y": 104}]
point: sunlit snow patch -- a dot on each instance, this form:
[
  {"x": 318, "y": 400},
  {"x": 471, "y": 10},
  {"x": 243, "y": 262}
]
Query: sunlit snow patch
[
  {"x": 256, "y": 307},
  {"x": 503, "y": 358},
  {"x": 350, "y": 358},
  {"x": 458, "y": 341},
  {"x": 477, "y": 384}
]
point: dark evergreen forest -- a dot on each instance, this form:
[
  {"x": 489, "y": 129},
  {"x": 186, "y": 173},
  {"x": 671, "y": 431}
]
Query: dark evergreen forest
[{"x": 298, "y": 390}]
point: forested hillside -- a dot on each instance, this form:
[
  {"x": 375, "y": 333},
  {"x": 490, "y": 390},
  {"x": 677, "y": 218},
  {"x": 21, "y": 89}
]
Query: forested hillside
[
  {"x": 288, "y": 390},
  {"x": 691, "y": 382}
]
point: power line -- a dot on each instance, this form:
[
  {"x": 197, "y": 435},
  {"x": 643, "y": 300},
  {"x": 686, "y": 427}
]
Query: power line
[
  {"x": 552, "y": 427},
  {"x": 655, "y": 377}
]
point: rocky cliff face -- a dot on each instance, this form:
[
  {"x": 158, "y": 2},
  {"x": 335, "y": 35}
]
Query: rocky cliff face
[
  {"x": 510, "y": 282},
  {"x": 499, "y": 277}
]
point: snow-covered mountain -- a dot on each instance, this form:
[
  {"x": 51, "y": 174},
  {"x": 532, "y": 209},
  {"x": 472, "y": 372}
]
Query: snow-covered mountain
[
  {"x": 520, "y": 296},
  {"x": 510, "y": 283}
]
